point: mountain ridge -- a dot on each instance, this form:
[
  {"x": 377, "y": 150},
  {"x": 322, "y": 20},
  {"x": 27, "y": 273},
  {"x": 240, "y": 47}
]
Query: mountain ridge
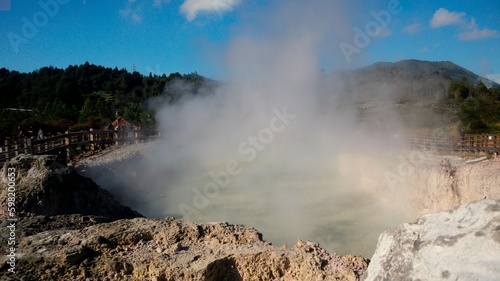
[
  {"x": 407, "y": 80},
  {"x": 448, "y": 70}
]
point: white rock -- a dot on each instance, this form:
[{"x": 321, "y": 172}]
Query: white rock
[{"x": 461, "y": 244}]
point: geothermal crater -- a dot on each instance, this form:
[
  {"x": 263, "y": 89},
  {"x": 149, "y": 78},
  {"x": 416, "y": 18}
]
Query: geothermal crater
[{"x": 344, "y": 206}]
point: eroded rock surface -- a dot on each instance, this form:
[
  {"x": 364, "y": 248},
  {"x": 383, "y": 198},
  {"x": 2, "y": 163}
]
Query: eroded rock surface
[
  {"x": 169, "y": 249},
  {"x": 438, "y": 188},
  {"x": 45, "y": 187},
  {"x": 419, "y": 182},
  {"x": 461, "y": 244}
]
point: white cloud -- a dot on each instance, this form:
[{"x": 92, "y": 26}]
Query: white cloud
[
  {"x": 132, "y": 11},
  {"x": 191, "y": 8},
  {"x": 478, "y": 34},
  {"x": 473, "y": 32},
  {"x": 472, "y": 25},
  {"x": 444, "y": 17},
  {"x": 494, "y": 77},
  {"x": 412, "y": 28},
  {"x": 468, "y": 31}
]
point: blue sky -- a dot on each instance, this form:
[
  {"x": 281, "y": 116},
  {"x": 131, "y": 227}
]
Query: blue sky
[{"x": 164, "y": 36}]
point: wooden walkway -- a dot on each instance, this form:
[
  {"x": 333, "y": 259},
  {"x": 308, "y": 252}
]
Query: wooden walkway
[{"x": 69, "y": 145}]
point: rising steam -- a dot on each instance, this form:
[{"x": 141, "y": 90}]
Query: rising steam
[{"x": 279, "y": 145}]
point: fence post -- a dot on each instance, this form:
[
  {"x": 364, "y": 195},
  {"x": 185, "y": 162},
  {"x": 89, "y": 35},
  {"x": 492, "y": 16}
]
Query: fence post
[
  {"x": 67, "y": 143},
  {"x": 26, "y": 143},
  {"x": 29, "y": 144},
  {"x": 7, "y": 153},
  {"x": 91, "y": 139}
]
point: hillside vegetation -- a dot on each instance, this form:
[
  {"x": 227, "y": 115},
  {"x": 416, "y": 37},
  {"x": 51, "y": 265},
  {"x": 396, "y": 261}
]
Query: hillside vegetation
[
  {"x": 408, "y": 81},
  {"x": 427, "y": 94},
  {"x": 85, "y": 96},
  {"x": 478, "y": 107}
]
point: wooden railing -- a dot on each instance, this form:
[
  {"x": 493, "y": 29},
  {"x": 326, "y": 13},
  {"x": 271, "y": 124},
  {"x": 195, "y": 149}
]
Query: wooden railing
[
  {"x": 469, "y": 142},
  {"x": 72, "y": 144}
]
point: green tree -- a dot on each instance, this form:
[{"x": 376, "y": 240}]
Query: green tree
[
  {"x": 458, "y": 91},
  {"x": 481, "y": 91},
  {"x": 86, "y": 93}
]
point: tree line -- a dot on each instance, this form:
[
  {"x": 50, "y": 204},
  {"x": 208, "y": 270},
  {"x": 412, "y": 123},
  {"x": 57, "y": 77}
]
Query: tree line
[
  {"x": 478, "y": 106},
  {"x": 84, "y": 96}
]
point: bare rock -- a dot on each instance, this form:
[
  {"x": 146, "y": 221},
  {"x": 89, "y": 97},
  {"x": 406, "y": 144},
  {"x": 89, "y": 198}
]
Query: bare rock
[
  {"x": 76, "y": 254},
  {"x": 461, "y": 244},
  {"x": 434, "y": 189},
  {"x": 128, "y": 250},
  {"x": 45, "y": 187}
]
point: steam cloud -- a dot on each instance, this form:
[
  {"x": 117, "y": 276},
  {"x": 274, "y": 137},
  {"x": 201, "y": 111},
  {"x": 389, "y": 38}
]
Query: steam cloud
[{"x": 316, "y": 178}]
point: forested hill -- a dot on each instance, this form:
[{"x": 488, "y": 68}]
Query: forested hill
[
  {"x": 415, "y": 69},
  {"x": 428, "y": 91},
  {"x": 83, "y": 96},
  {"x": 409, "y": 80},
  {"x": 88, "y": 96}
]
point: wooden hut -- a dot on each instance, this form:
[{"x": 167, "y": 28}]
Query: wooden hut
[{"x": 122, "y": 124}]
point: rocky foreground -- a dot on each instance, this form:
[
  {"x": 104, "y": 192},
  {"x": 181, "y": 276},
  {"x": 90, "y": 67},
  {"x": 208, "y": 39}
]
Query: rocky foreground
[
  {"x": 145, "y": 249},
  {"x": 460, "y": 244},
  {"x": 44, "y": 186},
  {"x": 68, "y": 228}
]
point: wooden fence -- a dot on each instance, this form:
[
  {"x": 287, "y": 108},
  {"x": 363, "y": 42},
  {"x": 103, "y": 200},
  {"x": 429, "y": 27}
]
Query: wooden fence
[
  {"x": 72, "y": 144},
  {"x": 469, "y": 143}
]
